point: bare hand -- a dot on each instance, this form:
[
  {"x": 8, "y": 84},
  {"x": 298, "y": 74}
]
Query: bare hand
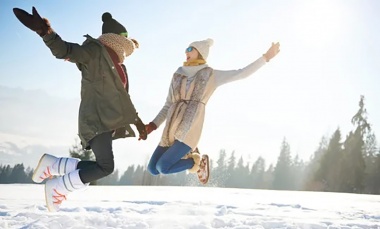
[{"x": 272, "y": 51}]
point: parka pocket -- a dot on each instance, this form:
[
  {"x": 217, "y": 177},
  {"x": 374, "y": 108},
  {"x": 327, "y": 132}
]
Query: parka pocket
[{"x": 110, "y": 111}]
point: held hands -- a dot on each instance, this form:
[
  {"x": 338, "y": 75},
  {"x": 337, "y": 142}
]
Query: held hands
[
  {"x": 272, "y": 51},
  {"x": 149, "y": 128},
  {"x": 34, "y": 22},
  {"x": 141, "y": 128}
]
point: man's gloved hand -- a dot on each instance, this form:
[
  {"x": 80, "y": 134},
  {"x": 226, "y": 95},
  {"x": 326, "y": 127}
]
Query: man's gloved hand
[
  {"x": 34, "y": 22},
  {"x": 141, "y": 129}
]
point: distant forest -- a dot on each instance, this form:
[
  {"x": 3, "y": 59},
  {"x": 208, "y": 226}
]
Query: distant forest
[{"x": 350, "y": 164}]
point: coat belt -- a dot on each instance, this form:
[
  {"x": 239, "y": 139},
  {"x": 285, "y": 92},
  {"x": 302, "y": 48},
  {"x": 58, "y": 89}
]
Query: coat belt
[{"x": 187, "y": 101}]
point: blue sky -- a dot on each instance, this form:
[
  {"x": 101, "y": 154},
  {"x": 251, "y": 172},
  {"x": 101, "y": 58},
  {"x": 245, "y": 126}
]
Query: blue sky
[{"x": 328, "y": 59}]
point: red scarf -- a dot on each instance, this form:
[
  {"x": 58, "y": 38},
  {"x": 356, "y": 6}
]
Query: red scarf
[{"x": 115, "y": 60}]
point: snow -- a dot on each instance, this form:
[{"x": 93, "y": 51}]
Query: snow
[{"x": 23, "y": 206}]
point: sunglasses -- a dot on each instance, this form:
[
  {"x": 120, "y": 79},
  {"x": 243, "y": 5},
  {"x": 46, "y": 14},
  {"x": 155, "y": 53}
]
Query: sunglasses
[
  {"x": 125, "y": 34},
  {"x": 189, "y": 49}
]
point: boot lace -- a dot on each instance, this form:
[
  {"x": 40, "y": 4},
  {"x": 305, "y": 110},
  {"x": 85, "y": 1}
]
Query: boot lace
[
  {"x": 46, "y": 174},
  {"x": 58, "y": 197}
]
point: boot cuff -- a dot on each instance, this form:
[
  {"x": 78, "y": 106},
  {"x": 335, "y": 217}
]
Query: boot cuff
[{"x": 197, "y": 161}]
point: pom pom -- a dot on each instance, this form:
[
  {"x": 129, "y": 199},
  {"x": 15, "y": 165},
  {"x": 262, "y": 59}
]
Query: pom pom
[
  {"x": 106, "y": 17},
  {"x": 137, "y": 45},
  {"x": 210, "y": 41}
]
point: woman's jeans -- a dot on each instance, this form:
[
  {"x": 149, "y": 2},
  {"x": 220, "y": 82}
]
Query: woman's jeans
[{"x": 167, "y": 160}]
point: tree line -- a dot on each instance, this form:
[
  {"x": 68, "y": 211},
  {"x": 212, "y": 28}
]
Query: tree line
[{"x": 339, "y": 164}]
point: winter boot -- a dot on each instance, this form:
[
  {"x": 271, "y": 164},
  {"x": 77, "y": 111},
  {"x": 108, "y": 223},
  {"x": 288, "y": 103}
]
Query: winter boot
[
  {"x": 204, "y": 169},
  {"x": 196, "y": 156},
  {"x": 57, "y": 189},
  {"x": 50, "y": 165},
  {"x": 201, "y": 165}
]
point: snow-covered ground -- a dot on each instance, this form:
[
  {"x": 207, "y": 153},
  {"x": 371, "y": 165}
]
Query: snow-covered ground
[{"x": 23, "y": 206}]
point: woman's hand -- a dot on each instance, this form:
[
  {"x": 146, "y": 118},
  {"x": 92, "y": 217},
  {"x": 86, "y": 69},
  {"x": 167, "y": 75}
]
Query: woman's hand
[
  {"x": 149, "y": 128},
  {"x": 272, "y": 51}
]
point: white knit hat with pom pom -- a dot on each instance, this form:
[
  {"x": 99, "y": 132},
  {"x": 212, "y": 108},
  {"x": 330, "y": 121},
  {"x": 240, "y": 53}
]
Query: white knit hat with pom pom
[{"x": 203, "y": 46}]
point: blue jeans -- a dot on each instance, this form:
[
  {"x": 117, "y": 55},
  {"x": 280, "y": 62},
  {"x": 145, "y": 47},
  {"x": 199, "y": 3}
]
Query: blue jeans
[{"x": 167, "y": 160}]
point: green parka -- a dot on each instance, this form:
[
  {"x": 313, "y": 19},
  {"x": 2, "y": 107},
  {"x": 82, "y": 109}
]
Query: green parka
[{"x": 105, "y": 104}]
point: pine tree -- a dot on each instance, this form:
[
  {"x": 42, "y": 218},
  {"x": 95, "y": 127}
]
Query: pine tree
[
  {"x": 375, "y": 175},
  {"x": 29, "y": 174},
  {"x": 127, "y": 177},
  {"x": 2, "y": 174},
  {"x": 328, "y": 173},
  {"x": 311, "y": 184},
  {"x": 18, "y": 174},
  {"x": 372, "y": 162},
  {"x": 77, "y": 151},
  {"x": 5, "y": 177},
  {"x": 241, "y": 174},
  {"x": 298, "y": 168},
  {"x": 353, "y": 166},
  {"x": 138, "y": 176},
  {"x": 230, "y": 182},
  {"x": 257, "y": 174},
  {"x": 112, "y": 179},
  {"x": 220, "y": 174},
  {"x": 283, "y": 179},
  {"x": 269, "y": 177}
]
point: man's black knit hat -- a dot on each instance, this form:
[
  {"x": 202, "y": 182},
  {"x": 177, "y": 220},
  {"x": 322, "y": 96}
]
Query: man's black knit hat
[{"x": 110, "y": 25}]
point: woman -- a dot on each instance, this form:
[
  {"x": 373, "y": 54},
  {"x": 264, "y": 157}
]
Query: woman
[
  {"x": 191, "y": 87},
  {"x": 106, "y": 110}
]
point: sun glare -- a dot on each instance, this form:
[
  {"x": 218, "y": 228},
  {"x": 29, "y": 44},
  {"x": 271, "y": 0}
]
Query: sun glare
[{"x": 318, "y": 20}]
